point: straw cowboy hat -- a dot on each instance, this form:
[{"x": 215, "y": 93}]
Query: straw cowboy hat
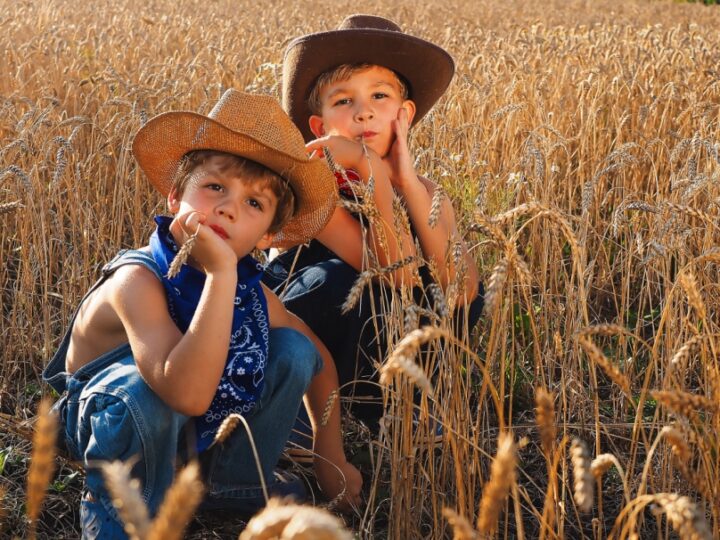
[
  {"x": 256, "y": 128},
  {"x": 363, "y": 39}
]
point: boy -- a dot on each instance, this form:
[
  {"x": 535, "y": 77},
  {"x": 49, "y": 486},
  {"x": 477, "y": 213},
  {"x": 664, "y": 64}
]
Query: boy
[
  {"x": 365, "y": 84},
  {"x": 148, "y": 357}
]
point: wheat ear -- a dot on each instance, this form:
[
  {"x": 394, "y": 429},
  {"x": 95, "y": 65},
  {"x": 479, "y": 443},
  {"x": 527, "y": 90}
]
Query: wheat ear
[
  {"x": 462, "y": 530},
  {"x": 226, "y": 428},
  {"x": 545, "y": 420},
  {"x": 496, "y": 490},
  {"x": 684, "y": 516},
  {"x": 42, "y": 461},
  {"x": 182, "y": 255},
  {"x": 282, "y": 520},
  {"x": 6, "y": 208},
  {"x": 178, "y": 506},
  {"x": 583, "y": 484},
  {"x": 125, "y": 493}
]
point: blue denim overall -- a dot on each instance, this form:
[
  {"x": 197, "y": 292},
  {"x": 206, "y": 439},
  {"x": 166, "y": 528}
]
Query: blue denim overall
[{"x": 108, "y": 412}]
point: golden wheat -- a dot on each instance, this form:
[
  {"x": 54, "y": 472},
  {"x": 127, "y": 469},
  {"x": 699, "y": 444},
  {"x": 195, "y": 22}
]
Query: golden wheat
[
  {"x": 284, "y": 520},
  {"x": 178, "y": 506},
  {"x": 42, "y": 461},
  {"x": 583, "y": 483},
  {"x": 126, "y": 497},
  {"x": 497, "y": 488}
]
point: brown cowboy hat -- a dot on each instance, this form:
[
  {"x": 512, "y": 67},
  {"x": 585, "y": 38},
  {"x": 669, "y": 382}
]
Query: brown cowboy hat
[
  {"x": 251, "y": 126},
  {"x": 363, "y": 39}
]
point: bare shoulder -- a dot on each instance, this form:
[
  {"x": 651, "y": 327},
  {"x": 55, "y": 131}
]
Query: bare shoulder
[
  {"x": 99, "y": 326},
  {"x": 136, "y": 292}
]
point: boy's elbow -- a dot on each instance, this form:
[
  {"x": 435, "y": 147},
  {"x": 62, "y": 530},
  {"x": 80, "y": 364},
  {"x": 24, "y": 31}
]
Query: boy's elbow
[
  {"x": 194, "y": 408},
  {"x": 190, "y": 405}
]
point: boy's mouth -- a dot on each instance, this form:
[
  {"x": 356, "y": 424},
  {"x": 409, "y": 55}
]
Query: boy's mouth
[
  {"x": 368, "y": 134},
  {"x": 220, "y": 231}
]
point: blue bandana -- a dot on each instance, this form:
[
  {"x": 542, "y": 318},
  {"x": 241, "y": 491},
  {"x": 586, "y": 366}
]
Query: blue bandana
[{"x": 242, "y": 379}]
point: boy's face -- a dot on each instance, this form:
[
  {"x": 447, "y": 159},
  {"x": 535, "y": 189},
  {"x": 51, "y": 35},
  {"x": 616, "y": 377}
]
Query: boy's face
[
  {"x": 238, "y": 210},
  {"x": 363, "y": 108}
]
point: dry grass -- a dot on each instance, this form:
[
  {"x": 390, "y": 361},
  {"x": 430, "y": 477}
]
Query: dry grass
[{"x": 579, "y": 144}]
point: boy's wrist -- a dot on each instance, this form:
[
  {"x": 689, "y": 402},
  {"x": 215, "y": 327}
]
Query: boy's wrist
[
  {"x": 407, "y": 184},
  {"x": 223, "y": 276}
]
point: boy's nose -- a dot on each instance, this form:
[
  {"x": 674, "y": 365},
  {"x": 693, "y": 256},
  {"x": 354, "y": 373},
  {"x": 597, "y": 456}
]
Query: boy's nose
[
  {"x": 226, "y": 210},
  {"x": 364, "y": 113}
]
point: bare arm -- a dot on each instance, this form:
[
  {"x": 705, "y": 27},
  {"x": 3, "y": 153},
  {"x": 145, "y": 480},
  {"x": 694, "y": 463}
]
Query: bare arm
[
  {"x": 327, "y": 438},
  {"x": 183, "y": 369},
  {"x": 434, "y": 241},
  {"x": 417, "y": 193}
]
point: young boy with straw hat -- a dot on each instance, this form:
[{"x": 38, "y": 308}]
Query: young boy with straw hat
[
  {"x": 160, "y": 352},
  {"x": 359, "y": 89}
]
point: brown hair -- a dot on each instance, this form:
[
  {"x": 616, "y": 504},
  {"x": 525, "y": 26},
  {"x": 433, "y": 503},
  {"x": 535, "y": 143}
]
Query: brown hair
[
  {"x": 343, "y": 73},
  {"x": 248, "y": 171}
]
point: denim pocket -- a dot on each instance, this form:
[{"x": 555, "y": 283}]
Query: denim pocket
[{"x": 112, "y": 429}]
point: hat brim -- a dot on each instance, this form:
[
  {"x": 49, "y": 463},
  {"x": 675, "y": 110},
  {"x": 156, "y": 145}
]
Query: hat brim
[
  {"x": 160, "y": 145},
  {"x": 427, "y": 68}
]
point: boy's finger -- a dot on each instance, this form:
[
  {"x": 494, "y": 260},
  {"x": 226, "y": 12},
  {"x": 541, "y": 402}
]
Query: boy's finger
[{"x": 192, "y": 222}]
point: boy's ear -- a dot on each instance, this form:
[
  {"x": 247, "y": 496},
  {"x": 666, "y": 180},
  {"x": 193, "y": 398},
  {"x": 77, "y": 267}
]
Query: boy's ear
[
  {"x": 317, "y": 126},
  {"x": 266, "y": 241},
  {"x": 173, "y": 201},
  {"x": 409, "y": 106}
]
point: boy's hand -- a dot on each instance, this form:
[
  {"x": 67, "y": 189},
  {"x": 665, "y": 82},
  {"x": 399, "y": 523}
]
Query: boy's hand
[
  {"x": 210, "y": 252},
  {"x": 345, "y": 152},
  {"x": 398, "y": 159},
  {"x": 332, "y": 482}
]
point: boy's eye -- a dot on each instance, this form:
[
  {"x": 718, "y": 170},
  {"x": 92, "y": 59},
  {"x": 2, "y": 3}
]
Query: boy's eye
[
  {"x": 342, "y": 101},
  {"x": 379, "y": 95},
  {"x": 255, "y": 203},
  {"x": 214, "y": 186}
]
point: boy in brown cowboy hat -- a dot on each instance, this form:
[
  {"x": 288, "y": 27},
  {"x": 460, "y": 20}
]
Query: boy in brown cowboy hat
[
  {"x": 364, "y": 85},
  {"x": 152, "y": 353}
]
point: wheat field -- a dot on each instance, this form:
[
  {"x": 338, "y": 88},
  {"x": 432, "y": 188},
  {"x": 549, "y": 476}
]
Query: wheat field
[{"x": 580, "y": 145}]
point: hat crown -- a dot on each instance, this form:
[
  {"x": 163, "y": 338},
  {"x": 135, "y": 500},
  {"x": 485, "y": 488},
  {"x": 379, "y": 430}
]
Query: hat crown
[
  {"x": 261, "y": 118},
  {"x": 373, "y": 22}
]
